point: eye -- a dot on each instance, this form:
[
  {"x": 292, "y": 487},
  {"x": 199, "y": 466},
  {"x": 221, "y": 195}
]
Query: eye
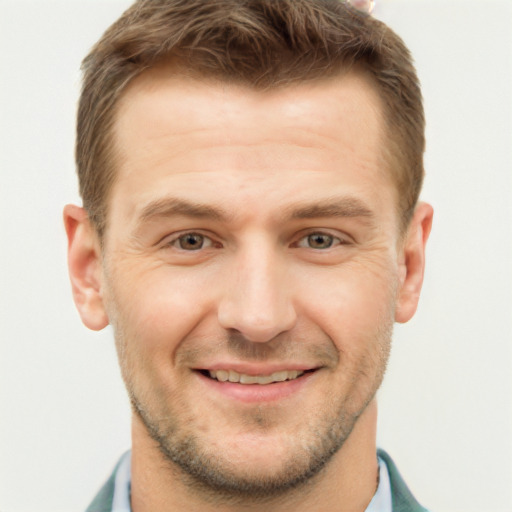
[
  {"x": 191, "y": 242},
  {"x": 318, "y": 241}
]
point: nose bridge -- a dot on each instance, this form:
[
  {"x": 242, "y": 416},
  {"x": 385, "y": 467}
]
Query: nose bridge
[{"x": 257, "y": 301}]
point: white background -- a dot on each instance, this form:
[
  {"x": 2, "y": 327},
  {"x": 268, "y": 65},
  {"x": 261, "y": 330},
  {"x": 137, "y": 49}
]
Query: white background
[{"x": 446, "y": 405}]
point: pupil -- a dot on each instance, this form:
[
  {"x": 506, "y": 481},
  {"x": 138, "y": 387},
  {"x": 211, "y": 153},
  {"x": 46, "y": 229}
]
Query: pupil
[
  {"x": 320, "y": 241},
  {"x": 193, "y": 242}
]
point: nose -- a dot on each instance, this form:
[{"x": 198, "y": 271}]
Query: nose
[{"x": 257, "y": 301}]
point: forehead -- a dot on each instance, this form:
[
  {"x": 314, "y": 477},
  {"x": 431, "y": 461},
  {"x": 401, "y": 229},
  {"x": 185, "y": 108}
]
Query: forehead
[
  {"x": 165, "y": 93},
  {"x": 198, "y": 136}
]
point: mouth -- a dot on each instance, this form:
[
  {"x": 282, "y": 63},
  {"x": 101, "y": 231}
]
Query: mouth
[
  {"x": 251, "y": 385},
  {"x": 261, "y": 380}
]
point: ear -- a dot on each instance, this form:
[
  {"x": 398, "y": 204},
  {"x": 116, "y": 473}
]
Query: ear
[
  {"x": 84, "y": 263},
  {"x": 412, "y": 262}
]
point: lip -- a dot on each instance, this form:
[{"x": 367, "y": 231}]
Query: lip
[
  {"x": 258, "y": 369},
  {"x": 257, "y": 393}
]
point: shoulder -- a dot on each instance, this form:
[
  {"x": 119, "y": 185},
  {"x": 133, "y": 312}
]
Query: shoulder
[
  {"x": 403, "y": 500},
  {"x": 103, "y": 500}
]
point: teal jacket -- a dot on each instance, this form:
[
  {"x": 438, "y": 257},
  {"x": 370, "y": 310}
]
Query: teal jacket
[{"x": 403, "y": 500}]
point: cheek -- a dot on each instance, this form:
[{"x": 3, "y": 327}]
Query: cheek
[
  {"x": 354, "y": 303},
  {"x": 356, "y": 312},
  {"x": 151, "y": 315},
  {"x": 154, "y": 310}
]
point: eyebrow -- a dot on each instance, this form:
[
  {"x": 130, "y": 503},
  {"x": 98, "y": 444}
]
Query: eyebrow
[
  {"x": 169, "y": 206},
  {"x": 341, "y": 207},
  {"x": 333, "y": 207}
]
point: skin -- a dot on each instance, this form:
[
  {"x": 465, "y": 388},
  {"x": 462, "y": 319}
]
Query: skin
[{"x": 255, "y": 231}]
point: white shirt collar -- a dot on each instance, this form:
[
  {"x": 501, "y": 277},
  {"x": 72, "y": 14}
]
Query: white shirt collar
[
  {"x": 381, "y": 501},
  {"x": 122, "y": 485}
]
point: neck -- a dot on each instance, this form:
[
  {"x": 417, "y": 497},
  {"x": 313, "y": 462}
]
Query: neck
[{"x": 346, "y": 484}]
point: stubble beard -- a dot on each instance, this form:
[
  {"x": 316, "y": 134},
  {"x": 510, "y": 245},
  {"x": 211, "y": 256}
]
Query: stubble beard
[
  {"x": 217, "y": 481},
  {"x": 211, "y": 476}
]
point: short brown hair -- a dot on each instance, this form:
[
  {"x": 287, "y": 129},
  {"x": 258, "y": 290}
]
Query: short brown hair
[{"x": 261, "y": 43}]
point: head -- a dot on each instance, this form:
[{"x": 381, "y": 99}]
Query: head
[
  {"x": 263, "y": 44},
  {"x": 250, "y": 173}
]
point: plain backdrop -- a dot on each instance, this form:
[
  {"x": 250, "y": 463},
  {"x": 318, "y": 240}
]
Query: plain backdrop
[{"x": 446, "y": 405}]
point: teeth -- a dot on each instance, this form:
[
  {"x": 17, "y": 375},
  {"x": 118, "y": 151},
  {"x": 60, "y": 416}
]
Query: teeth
[
  {"x": 222, "y": 375},
  {"x": 232, "y": 376}
]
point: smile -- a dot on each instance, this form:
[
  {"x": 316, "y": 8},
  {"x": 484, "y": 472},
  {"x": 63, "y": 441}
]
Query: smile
[{"x": 241, "y": 378}]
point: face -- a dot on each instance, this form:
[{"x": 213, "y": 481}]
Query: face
[{"x": 251, "y": 270}]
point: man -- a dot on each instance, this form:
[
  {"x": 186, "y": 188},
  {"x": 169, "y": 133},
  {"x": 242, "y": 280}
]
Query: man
[{"x": 250, "y": 173}]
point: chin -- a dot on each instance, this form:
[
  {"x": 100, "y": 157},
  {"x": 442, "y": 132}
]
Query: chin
[{"x": 263, "y": 464}]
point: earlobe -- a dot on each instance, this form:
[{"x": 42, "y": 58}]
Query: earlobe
[
  {"x": 84, "y": 264},
  {"x": 413, "y": 262}
]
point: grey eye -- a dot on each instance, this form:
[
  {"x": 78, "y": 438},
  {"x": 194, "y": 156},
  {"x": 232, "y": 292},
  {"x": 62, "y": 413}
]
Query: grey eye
[{"x": 317, "y": 241}]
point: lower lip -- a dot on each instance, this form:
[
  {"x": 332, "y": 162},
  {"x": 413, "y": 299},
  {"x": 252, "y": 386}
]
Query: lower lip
[{"x": 253, "y": 393}]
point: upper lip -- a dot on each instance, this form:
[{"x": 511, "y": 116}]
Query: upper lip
[{"x": 257, "y": 369}]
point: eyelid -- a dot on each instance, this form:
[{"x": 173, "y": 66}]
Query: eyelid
[
  {"x": 173, "y": 238},
  {"x": 338, "y": 238}
]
